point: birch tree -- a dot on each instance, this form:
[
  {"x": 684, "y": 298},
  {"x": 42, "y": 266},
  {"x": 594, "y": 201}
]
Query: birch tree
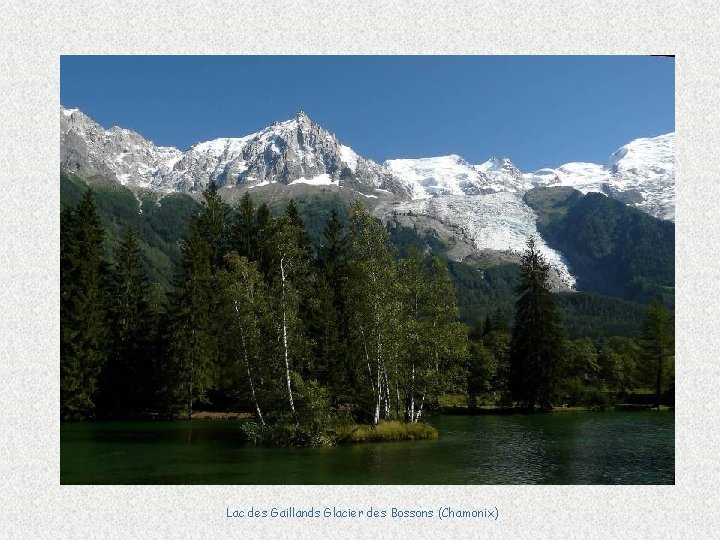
[
  {"x": 288, "y": 266},
  {"x": 372, "y": 304},
  {"x": 434, "y": 343},
  {"x": 245, "y": 302}
]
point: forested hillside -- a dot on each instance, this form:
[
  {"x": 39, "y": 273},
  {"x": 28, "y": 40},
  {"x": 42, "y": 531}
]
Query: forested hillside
[
  {"x": 481, "y": 292},
  {"x": 160, "y": 220},
  {"x": 612, "y": 249}
]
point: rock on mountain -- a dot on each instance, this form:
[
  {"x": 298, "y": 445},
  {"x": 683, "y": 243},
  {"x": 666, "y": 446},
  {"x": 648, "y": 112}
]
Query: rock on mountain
[{"x": 87, "y": 149}]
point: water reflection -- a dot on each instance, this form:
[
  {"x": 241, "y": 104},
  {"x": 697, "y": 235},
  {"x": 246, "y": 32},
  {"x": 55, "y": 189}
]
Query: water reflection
[{"x": 589, "y": 448}]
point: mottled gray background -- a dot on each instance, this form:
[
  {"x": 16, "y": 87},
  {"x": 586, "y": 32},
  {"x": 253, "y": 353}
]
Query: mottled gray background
[{"x": 34, "y": 35}]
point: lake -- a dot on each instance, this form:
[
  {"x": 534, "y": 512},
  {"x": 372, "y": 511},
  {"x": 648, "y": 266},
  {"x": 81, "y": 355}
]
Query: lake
[{"x": 559, "y": 448}]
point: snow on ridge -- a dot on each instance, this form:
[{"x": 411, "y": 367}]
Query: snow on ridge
[
  {"x": 321, "y": 180},
  {"x": 435, "y": 176},
  {"x": 220, "y": 146},
  {"x": 656, "y": 151},
  {"x": 349, "y": 157},
  {"x": 263, "y": 183},
  {"x": 642, "y": 171}
]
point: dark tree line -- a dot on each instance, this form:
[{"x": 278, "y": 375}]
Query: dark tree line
[
  {"x": 534, "y": 365},
  {"x": 260, "y": 319}
]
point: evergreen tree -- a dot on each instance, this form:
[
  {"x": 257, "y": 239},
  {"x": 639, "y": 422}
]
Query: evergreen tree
[
  {"x": 83, "y": 326},
  {"x": 500, "y": 322},
  {"x": 192, "y": 345},
  {"x": 263, "y": 227},
  {"x": 263, "y": 217},
  {"x": 487, "y": 326},
  {"x": 322, "y": 327},
  {"x": 213, "y": 224},
  {"x": 657, "y": 343},
  {"x": 292, "y": 212},
  {"x": 482, "y": 370},
  {"x": 157, "y": 349},
  {"x": 128, "y": 372},
  {"x": 537, "y": 337},
  {"x": 244, "y": 231},
  {"x": 328, "y": 324}
]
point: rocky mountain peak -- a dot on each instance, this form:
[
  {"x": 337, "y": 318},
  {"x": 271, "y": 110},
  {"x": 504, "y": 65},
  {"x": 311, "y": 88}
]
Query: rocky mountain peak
[{"x": 286, "y": 152}]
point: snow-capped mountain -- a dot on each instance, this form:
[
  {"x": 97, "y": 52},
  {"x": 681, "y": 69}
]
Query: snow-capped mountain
[
  {"x": 452, "y": 175},
  {"x": 438, "y": 176},
  {"x": 482, "y": 205},
  {"x": 87, "y": 149},
  {"x": 503, "y": 175},
  {"x": 294, "y": 151},
  {"x": 640, "y": 173}
]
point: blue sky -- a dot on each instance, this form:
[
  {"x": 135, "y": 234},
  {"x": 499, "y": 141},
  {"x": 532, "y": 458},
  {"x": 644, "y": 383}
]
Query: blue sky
[{"x": 538, "y": 110}]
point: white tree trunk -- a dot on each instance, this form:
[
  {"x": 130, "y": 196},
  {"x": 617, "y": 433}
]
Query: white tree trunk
[
  {"x": 247, "y": 367},
  {"x": 387, "y": 393},
  {"x": 367, "y": 360},
  {"x": 412, "y": 394},
  {"x": 285, "y": 344},
  {"x": 422, "y": 402}
]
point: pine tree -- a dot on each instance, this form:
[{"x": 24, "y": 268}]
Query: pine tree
[
  {"x": 83, "y": 326},
  {"x": 192, "y": 344},
  {"x": 333, "y": 257},
  {"x": 244, "y": 230},
  {"x": 157, "y": 348},
  {"x": 487, "y": 326},
  {"x": 263, "y": 227},
  {"x": 328, "y": 325},
  {"x": 128, "y": 371},
  {"x": 213, "y": 224},
  {"x": 263, "y": 216},
  {"x": 537, "y": 336},
  {"x": 292, "y": 211},
  {"x": 657, "y": 343}
]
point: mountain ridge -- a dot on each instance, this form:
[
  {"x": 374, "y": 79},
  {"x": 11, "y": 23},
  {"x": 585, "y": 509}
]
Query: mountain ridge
[
  {"x": 640, "y": 173},
  {"x": 479, "y": 209}
]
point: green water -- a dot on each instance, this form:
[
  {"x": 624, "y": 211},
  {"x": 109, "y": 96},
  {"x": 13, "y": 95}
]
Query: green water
[{"x": 567, "y": 448}]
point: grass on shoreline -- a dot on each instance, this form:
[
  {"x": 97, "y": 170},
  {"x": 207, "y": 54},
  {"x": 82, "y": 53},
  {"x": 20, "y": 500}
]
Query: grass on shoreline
[
  {"x": 286, "y": 435},
  {"x": 386, "y": 431}
]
